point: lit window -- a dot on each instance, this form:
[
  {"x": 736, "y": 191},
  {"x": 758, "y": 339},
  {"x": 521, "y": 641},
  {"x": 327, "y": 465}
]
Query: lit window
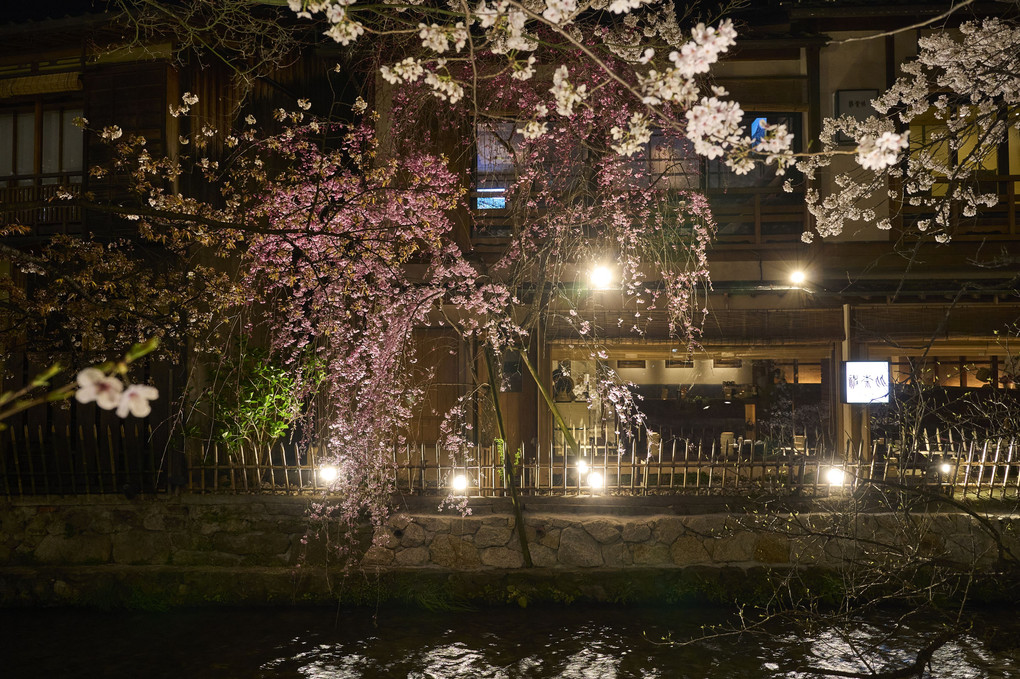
[{"x": 496, "y": 143}]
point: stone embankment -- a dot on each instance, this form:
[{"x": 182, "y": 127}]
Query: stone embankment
[{"x": 193, "y": 549}]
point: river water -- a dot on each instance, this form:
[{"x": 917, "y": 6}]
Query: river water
[{"x": 583, "y": 642}]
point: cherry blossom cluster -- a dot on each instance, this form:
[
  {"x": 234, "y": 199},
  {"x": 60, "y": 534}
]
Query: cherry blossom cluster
[
  {"x": 109, "y": 393},
  {"x": 509, "y": 29},
  {"x": 881, "y": 152},
  {"x": 968, "y": 84}
]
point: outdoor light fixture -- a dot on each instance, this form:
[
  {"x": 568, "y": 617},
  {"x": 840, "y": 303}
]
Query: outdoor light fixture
[
  {"x": 601, "y": 277},
  {"x": 595, "y": 481},
  {"x": 582, "y": 467},
  {"x": 835, "y": 476},
  {"x": 328, "y": 473},
  {"x": 945, "y": 468},
  {"x": 459, "y": 483},
  {"x": 797, "y": 277}
]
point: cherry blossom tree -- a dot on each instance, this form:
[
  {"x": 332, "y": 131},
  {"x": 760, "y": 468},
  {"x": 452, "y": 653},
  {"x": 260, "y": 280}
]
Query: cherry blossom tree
[
  {"x": 935, "y": 133},
  {"x": 345, "y": 235}
]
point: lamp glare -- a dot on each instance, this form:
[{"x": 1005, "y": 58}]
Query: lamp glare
[
  {"x": 460, "y": 483},
  {"x": 835, "y": 476},
  {"x": 595, "y": 481},
  {"x": 601, "y": 277},
  {"x": 582, "y": 467},
  {"x": 797, "y": 277},
  {"x": 328, "y": 473},
  {"x": 946, "y": 468}
]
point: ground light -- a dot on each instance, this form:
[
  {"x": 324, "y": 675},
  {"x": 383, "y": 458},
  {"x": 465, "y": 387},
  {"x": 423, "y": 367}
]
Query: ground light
[
  {"x": 835, "y": 476},
  {"x": 595, "y": 481},
  {"x": 328, "y": 473},
  {"x": 601, "y": 277},
  {"x": 459, "y": 483},
  {"x": 797, "y": 277},
  {"x": 945, "y": 468},
  {"x": 582, "y": 467}
]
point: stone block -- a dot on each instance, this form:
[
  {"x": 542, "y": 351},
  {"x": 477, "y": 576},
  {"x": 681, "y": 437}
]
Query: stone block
[
  {"x": 636, "y": 531},
  {"x": 492, "y": 536},
  {"x": 668, "y": 529},
  {"x": 377, "y": 556},
  {"x": 603, "y": 531},
  {"x": 578, "y": 548},
  {"x": 617, "y": 554},
  {"x": 435, "y": 524},
  {"x": 502, "y": 557},
  {"x": 141, "y": 547},
  {"x": 384, "y": 537},
  {"x": 414, "y": 536},
  {"x": 154, "y": 519},
  {"x": 464, "y": 526},
  {"x": 689, "y": 550},
  {"x": 772, "y": 549},
  {"x": 399, "y": 521},
  {"x": 260, "y": 544},
  {"x": 415, "y": 556},
  {"x": 542, "y": 556},
  {"x": 551, "y": 539},
  {"x": 452, "y": 551},
  {"x": 191, "y": 557},
  {"x": 737, "y": 547},
  {"x": 55, "y": 549},
  {"x": 654, "y": 554}
]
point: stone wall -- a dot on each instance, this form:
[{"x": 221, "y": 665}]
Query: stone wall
[
  {"x": 252, "y": 548},
  {"x": 656, "y": 541}
]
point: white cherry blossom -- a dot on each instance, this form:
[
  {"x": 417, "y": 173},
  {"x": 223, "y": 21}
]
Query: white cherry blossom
[
  {"x": 95, "y": 385},
  {"x": 135, "y": 400}
]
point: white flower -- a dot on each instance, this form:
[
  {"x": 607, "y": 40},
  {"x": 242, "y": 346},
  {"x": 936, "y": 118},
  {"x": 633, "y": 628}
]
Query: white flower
[
  {"x": 112, "y": 132},
  {"x": 250, "y": 119},
  {"x": 304, "y": 104},
  {"x": 533, "y": 130},
  {"x": 526, "y": 72},
  {"x": 433, "y": 37},
  {"x": 345, "y": 30},
  {"x": 408, "y": 70},
  {"x": 444, "y": 87},
  {"x": 95, "y": 385},
  {"x": 360, "y": 106},
  {"x": 878, "y": 154},
  {"x": 135, "y": 400},
  {"x": 634, "y": 139},
  {"x": 566, "y": 94},
  {"x": 559, "y": 11},
  {"x": 189, "y": 99}
]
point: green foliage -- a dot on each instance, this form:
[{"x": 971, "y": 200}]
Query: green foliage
[{"x": 255, "y": 400}]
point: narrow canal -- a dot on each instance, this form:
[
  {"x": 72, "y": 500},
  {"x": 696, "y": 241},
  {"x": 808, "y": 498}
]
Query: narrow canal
[{"x": 534, "y": 643}]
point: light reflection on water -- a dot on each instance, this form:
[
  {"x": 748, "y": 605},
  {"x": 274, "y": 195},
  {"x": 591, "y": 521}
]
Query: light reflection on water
[{"x": 577, "y": 642}]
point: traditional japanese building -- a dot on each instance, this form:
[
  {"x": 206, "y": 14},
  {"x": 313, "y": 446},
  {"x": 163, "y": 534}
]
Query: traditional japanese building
[{"x": 784, "y": 315}]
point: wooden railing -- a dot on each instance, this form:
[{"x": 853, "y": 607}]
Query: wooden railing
[
  {"x": 977, "y": 469},
  {"x": 54, "y": 216},
  {"x": 122, "y": 460}
]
